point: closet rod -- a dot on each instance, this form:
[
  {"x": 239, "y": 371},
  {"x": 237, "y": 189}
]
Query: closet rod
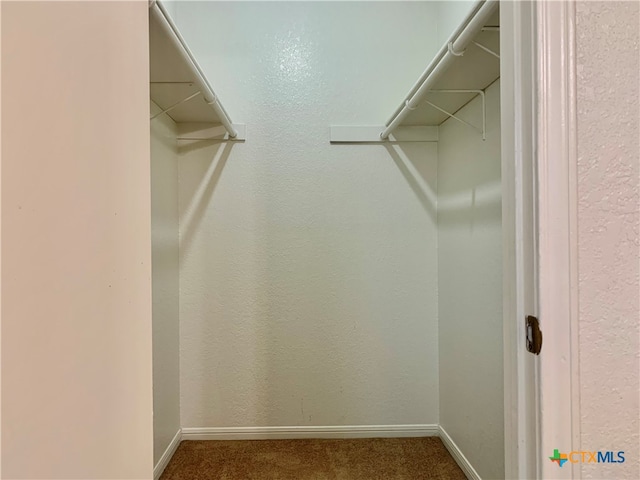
[
  {"x": 447, "y": 54},
  {"x": 158, "y": 10}
]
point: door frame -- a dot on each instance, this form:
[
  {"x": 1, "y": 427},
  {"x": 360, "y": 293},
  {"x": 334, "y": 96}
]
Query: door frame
[
  {"x": 518, "y": 122},
  {"x": 557, "y": 235},
  {"x": 540, "y": 237}
]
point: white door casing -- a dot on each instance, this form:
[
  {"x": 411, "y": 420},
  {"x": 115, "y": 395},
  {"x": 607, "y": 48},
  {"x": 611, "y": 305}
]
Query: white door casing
[
  {"x": 557, "y": 233},
  {"x": 518, "y": 123},
  {"x": 540, "y": 244}
]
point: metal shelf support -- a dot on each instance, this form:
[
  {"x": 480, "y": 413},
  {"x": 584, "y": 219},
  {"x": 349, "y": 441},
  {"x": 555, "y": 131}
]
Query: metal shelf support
[
  {"x": 168, "y": 109},
  {"x": 158, "y": 11},
  {"x": 486, "y": 49},
  {"x": 483, "y": 130},
  {"x": 445, "y": 57}
]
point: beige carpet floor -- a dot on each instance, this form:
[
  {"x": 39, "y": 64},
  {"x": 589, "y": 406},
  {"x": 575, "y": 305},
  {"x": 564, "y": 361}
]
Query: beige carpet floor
[{"x": 352, "y": 459}]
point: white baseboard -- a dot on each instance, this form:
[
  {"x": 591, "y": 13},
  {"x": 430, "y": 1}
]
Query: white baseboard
[
  {"x": 273, "y": 433},
  {"x": 458, "y": 456},
  {"x": 347, "y": 431},
  {"x": 166, "y": 456}
]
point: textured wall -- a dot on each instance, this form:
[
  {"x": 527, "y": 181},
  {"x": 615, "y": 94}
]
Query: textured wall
[
  {"x": 308, "y": 270},
  {"x": 608, "y": 151},
  {"x": 164, "y": 242},
  {"x": 470, "y": 286},
  {"x": 76, "y": 246}
]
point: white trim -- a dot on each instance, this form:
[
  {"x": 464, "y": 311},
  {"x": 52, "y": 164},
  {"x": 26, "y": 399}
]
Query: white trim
[
  {"x": 458, "y": 456},
  {"x": 557, "y": 219},
  {"x": 166, "y": 456},
  {"x": 517, "y": 67},
  {"x": 273, "y": 433},
  {"x": 371, "y": 134}
]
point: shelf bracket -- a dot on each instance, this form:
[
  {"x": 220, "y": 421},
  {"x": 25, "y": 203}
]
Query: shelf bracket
[
  {"x": 486, "y": 49},
  {"x": 452, "y": 51},
  {"x": 483, "y": 130},
  {"x": 168, "y": 109}
]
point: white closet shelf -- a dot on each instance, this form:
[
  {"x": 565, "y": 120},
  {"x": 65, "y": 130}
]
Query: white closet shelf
[
  {"x": 177, "y": 84},
  {"x": 462, "y": 69},
  {"x": 474, "y": 71}
]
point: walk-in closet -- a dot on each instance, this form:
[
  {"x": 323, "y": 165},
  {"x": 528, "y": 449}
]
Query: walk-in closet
[
  {"x": 352, "y": 239},
  {"x": 327, "y": 230}
]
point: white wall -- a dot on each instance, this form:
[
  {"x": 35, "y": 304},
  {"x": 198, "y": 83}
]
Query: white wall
[
  {"x": 76, "y": 256},
  {"x": 165, "y": 255},
  {"x": 608, "y": 224},
  {"x": 171, "y": 7},
  {"x": 451, "y": 13},
  {"x": 308, "y": 271},
  {"x": 470, "y": 286}
]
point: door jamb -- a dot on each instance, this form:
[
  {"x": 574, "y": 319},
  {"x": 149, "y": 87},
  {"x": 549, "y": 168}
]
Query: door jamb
[{"x": 518, "y": 114}]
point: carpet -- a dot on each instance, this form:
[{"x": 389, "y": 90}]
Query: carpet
[{"x": 317, "y": 459}]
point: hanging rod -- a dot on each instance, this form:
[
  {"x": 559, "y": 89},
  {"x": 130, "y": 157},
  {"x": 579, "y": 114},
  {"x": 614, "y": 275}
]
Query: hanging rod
[
  {"x": 159, "y": 12},
  {"x": 454, "y": 48}
]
